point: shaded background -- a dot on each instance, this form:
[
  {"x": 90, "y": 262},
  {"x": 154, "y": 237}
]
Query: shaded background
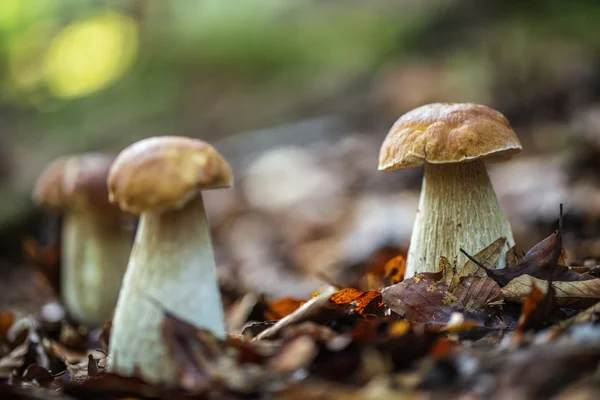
[{"x": 298, "y": 96}]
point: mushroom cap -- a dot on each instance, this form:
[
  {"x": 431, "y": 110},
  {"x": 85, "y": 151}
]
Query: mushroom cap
[
  {"x": 443, "y": 133},
  {"x": 78, "y": 180},
  {"x": 165, "y": 172}
]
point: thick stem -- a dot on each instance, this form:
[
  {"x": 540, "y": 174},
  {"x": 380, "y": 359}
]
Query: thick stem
[
  {"x": 172, "y": 263},
  {"x": 458, "y": 208},
  {"x": 94, "y": 255}
]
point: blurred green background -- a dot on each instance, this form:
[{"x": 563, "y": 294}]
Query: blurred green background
[{"x": 324, "y": 78}]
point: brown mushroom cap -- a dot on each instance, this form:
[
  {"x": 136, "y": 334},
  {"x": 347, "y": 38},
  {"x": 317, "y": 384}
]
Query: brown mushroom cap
[
  {"x": 74, "y": 180},
  {"x": 443, "y": 133},
  {"x": 165, "y": 172}
]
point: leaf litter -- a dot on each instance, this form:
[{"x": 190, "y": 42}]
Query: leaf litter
[{"x": 463, "y": 331}]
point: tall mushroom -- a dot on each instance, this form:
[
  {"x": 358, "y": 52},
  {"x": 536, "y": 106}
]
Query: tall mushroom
[
  {"x": 95, "y": 245},
  {"x": 458, "y": 205},
  {"x": 172, "y": 263}
]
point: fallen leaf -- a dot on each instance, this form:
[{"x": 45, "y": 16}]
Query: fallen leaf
[
  {"x": 573, "y": 294},
  {"x": 538, "y": 309},
  {"x": 295, "y": 354},
  {"x": 488, "y": 257},
  {"x": 477, "y": 292},
  {"x": 361, "y": 300},
  {"x": 192, "y": 351},
  {"x": 281, "y": 308},
  {"x": 548, "y": 251},
  {"x": 442, "y": 347},
  {"x": 394, "y": 270},
  {"x": 513, "y": 256},
  {"x": 553, "y": 272},
  {"x": 305, "y": 312},
  {"x": 422, "y": 299},
  {"x": 7, "y": 319}
]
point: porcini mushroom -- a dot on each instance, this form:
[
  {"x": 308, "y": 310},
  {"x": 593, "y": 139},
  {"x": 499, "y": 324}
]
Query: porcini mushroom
[
  {"x": 172, "y": 264},
  {"x": 458, "y": 206},
  {"x": 95, "y": 245}
]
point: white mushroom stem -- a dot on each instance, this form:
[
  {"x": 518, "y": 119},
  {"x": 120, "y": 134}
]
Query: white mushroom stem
[
  {"x": 171, "y": 264},
  {"x": 94, "y": 256},
  {"x": 457, "y": 208}
]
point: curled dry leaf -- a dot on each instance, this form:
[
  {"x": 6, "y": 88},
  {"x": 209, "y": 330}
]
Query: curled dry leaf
[
  {"x": 569, "y": 294},
  {"x": 548, "y": 251}
]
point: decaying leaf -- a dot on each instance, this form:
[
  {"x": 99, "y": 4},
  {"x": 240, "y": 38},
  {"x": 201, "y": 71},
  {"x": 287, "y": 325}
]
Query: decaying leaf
[
  {"x": 553, "y": 272},
  {"x": 296, "y": 354},
  {"x": 571, "y": 294},
  {"x": 477, "y": 292},
  {"x": 193, "y": 352},
  {"x": 538, "y": 308},
  {"x": 548, "y": 251},
  {"x": 422, "y": 299}
]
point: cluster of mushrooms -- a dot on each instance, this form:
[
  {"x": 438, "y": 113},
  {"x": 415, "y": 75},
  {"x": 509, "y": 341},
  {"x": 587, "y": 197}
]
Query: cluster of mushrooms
[{"x": 169, "y": 265}]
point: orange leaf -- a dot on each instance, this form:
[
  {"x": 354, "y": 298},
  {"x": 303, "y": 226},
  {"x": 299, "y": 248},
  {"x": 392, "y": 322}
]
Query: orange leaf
[
  {"x": 394, "y": 270},
  {"x": 442, "y": 347},
  {"x": 360, "y": 299},
  {"x": 399, "y": 328},
  {"x": 281, "y": 308},
  {"x": 7, "y": 318}
]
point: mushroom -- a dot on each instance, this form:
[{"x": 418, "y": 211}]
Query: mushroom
[
  {"x": 458, "y": 206},
  {"x": 172, "y": 266},
  {"x": 95, "y": 246}
]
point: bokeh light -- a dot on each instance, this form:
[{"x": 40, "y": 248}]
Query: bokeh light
[{"x": 91, "y": 54}]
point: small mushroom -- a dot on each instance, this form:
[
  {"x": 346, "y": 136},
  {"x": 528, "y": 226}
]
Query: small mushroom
[
  {"x": 95, "y": 245},
  {"x": 172, "y": 266},
  {"x": 458, "y": 206}
]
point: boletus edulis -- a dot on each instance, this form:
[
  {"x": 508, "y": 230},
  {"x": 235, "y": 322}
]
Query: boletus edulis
[
  {"x": 95, "y": 245},
  {"x": 172, "y": 266},
  {"x": 458, "y": 206}
]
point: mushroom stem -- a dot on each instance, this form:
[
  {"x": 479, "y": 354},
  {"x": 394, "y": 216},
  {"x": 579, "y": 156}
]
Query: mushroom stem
[
  {"x": 457, "y": 208},
  {"x": 95, "y": 252},
  {"x": 172, "y": 262}
]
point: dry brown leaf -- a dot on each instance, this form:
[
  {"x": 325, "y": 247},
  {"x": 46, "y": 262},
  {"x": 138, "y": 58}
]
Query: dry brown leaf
[
  {"x": 487, "y": 257},
  {"x": 548, "y": 251},
  {"x": 513, "y": 256},
  {"x": 537, "y": 310},
  {"x": 422, "y": 299},
  {"x": 296, "y": 354},
  {"x": 476, "y": 292},
  {"x": 575, "y": 294}
]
